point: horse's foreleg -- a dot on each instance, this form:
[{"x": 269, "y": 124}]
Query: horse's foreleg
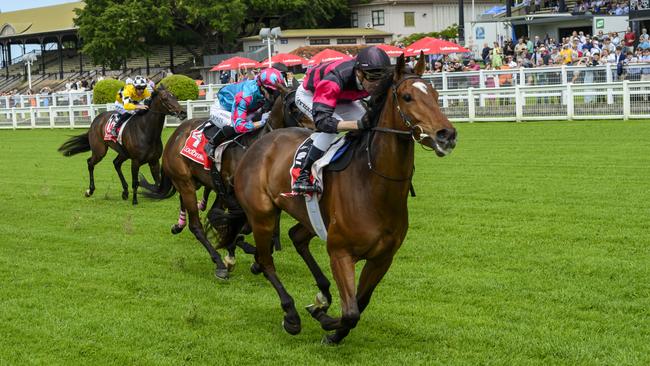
[
  {"x": 263, "y": 232},
  {"x": 182, "y": 219},
  {"x": 117, "y": 163},
  {"x": 204, "y": 201},
  {"x": 342, "y": 264},
  {"x": 373, "y": 271},
  {"x": 300, "y": 236},
  {"x": 135, "y": 182},
  {"x": 188, "y": 197}
]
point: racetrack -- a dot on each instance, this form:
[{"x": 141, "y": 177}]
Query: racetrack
[{"x": 529, "y": 244}]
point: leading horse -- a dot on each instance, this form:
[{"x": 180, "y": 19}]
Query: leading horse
[
  {"x": 141, "y": 141},
  {"x": 186, "y": 176},
  {"x": 364, "y": 207}
]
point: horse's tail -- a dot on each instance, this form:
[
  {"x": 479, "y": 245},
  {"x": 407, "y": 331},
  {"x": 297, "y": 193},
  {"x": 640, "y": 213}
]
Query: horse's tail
[
  {"x": 160, "y": 192},
  {"x": 75, "y": 145}
]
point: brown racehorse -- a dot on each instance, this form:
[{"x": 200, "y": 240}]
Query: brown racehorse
[
  {"x": 140, "y": 141},
  {"x": 186, "y": 176},
  {"x": 364, "y": 207}
]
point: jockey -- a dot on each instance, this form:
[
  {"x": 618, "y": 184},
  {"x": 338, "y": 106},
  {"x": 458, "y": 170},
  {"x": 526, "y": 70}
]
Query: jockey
[
  {"x": 128, "y": 101},
  {"x": 330, "y": 94},
  {"x": 238, "y": 105}
]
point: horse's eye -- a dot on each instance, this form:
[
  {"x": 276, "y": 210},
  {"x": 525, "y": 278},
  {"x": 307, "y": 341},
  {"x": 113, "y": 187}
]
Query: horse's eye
[{"x": 407, "y": 97}]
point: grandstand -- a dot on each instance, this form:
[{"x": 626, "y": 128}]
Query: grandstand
[{"x": 59, "y": 58}]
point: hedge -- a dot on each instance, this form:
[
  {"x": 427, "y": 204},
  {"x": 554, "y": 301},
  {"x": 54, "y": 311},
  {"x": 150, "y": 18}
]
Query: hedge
[
  {"x": 106, "y": 90},
  {"x": 183, "y": 87}
]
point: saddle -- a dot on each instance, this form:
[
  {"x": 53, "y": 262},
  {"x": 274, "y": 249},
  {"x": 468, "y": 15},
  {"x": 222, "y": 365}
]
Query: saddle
[{"x": 108, "y": 128}]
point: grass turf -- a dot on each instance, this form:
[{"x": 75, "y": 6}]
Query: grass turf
[{"x": 528, "y": 245}]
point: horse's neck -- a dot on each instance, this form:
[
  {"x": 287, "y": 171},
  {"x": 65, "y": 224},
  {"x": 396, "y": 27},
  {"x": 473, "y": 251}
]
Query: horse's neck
[
  {"x": 391, "y": 154},
  {"x": 152, "y": 123}
]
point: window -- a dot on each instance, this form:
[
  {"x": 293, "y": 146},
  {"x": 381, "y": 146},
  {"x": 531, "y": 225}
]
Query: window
[
  {"x": 374, "y": 40},
  {"x": 377, "y": 17},
  {"x": 354, "y": 20},
  {"x": 409, "y": 19},
  {"x": 318, "y": 42},
  {"x": 284, "y": 41},
  {"x": 346, "y": 41},
  {"x": 254, "y": 48}
]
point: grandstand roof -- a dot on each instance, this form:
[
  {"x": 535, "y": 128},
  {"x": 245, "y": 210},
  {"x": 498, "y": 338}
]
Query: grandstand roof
[
  {"x": 47, "y": 19},
  {"x": 326, "y": 32}
]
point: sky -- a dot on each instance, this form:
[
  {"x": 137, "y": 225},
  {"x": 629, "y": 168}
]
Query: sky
[{"x": 11, "y": 5}]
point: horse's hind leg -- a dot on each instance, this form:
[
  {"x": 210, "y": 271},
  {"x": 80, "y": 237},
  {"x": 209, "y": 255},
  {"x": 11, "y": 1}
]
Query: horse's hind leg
[
  {"x": 263, "y": 229},
  {"x": 300, "y": 236},
  {"x": 117, "y": 163},
  {"x": 93, "y": 160},
  {"x": 188, "y": 197},
  {"x": 135, "y": 181},
  {"x": 155, "y": 171}
]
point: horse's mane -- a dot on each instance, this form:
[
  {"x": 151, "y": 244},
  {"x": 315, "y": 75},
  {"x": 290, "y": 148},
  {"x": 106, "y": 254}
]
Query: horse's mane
[{"x": 378, "y": 98}]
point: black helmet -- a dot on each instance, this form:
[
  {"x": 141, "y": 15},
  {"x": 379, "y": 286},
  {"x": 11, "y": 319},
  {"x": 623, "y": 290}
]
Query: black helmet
[{"x": 372, "y": 58}]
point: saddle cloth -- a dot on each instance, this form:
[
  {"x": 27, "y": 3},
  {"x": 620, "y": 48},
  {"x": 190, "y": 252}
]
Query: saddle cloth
[
  {"x": 194, "y": 148},
  {"x": 108, "y": 127}
]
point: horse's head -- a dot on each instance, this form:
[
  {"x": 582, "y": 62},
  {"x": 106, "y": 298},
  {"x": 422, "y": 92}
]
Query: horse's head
[
  {"x": 280, "y": 114},
  {"x": 415, "y": 108},
  {"x": 168, "y": 102}
]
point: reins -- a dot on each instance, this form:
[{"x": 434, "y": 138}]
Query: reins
[{"x": 407, "y": 122}]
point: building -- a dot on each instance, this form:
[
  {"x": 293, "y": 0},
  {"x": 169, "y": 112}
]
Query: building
[
  {"x": 405, "y": 17},
  {"x": 294, "y": 38}
]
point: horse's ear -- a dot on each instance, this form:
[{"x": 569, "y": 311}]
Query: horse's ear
[
  {"x": 419, "y": 67},
  {"x": 161, "y": 87},
  {"x": 399, "y": 68},
  {"x": 283, "y": 89}
]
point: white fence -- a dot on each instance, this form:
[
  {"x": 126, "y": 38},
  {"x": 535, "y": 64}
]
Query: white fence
[{"x": 617, "y": 100}]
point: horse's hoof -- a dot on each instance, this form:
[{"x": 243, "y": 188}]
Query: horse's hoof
[
  {"x": 329, "y": 340},
  {"x": 230, "y": 263},
  {"x": 177, "y": 229},
  {"x": 221, "y": 273},
  {"x": 291, "y": 327},
  {"x": 125, "y": 195},
  {"x": 135, "y": 203},
  {"x": 88, "y": 193},
  {"x": 256, "y": 268}
]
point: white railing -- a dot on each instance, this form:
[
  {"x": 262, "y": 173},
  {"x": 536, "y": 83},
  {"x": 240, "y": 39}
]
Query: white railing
[
  {"x": 616, "y": 100},
  {"x": 47, "y": 100}
]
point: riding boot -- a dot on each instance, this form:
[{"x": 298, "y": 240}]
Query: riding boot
[
  {"x": 303, "y": 183},
  {"x": 120, "y": 121},
  {"x": 225, "y": 133}
]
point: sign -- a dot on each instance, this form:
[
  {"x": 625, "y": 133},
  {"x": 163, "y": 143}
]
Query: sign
[
  {"x": 480, "y": 33},
  {"x": 600, "y": 23}
]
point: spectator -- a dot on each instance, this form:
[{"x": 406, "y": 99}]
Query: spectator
[
  {"x": 644, "y": 37},
  {"x": 629, "y": 39},
  {"x": 497, "y": 56},
  {"x": 485, "y": 53},
  {"x": 619, "y": 59}
]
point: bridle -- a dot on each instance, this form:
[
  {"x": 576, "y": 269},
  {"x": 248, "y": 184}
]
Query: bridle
[
  {"x": 412, "y": 128},
  {"x": 166, "y": 106}
]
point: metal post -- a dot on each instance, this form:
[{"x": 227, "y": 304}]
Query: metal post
[
  {"x": 60, "y": 48},
  {"x": 171, "y": 58},
  {"x": 8, "y": 57},
  {"x": 268, "y": 40},
  {"x": 81, "y": 57},
  {"x": 461, "y": 23},
  {"x": 42, "y": 57}
]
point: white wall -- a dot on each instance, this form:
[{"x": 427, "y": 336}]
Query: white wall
[
  {"x": 612, "y": 23},
  {"x": 294, "y": 43},
  {"x": 428, "y": 17}
]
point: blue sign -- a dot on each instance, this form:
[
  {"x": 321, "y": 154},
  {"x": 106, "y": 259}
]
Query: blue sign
[{"x": 480, "y": 33}]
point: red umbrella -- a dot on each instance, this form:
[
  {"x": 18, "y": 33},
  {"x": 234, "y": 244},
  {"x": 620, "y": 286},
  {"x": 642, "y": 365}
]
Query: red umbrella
[
  {"x": 327, "y": 55},
  {"x": 392, "y": 51},
  {"x": 235, "y": 63},
  {"x": 285, "y": 58},
  {"x": 434, "y": 46}
]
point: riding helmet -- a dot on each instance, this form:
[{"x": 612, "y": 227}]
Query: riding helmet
[{"x": 372, "y": 58}]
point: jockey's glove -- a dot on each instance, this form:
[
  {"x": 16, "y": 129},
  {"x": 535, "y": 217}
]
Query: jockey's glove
[
  {"x": 364, "y": 122},
  {"x": 265, "y": 117}
]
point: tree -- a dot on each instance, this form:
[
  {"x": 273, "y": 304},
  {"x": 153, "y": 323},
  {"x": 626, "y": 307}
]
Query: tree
[{"x": 115, "y": 30}]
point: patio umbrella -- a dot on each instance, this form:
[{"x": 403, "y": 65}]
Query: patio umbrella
[
  {"x": 236, "y": 63},
  {"x": 327, "y": 55},
  {"x": 285, "y": 58},
  {"x": 434, "y": 46},
  {"x": 391, "y": 51}
]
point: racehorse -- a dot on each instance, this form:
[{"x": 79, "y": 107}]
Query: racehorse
[
  {"x": 364, "y": 207},
  {"x": 140, "y": 141},
  {"x": 186, "y": 176}
]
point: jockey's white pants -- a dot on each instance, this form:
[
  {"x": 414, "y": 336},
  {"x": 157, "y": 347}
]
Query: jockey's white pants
[
  {"x": 343, "y": 112},
  {"x": 219, "y": 116}
]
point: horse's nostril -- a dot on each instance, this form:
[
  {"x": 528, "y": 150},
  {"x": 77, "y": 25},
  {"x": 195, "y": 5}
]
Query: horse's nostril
[{"x": 446, "y": 134}]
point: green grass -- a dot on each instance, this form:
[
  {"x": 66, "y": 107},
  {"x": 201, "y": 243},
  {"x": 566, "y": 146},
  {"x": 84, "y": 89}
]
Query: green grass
[{"x": 528, "y": 245}]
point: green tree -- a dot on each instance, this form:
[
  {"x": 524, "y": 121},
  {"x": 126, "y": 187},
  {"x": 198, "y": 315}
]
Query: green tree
[
  {"x": 106, "y": 90},
  {"x": 115, "y": 30}
]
